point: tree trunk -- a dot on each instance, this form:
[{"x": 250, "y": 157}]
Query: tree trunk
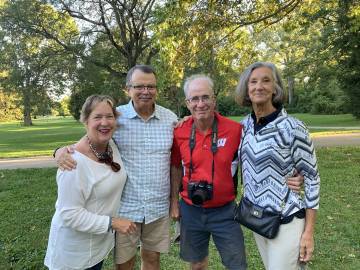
[
  {"x": 290, "y": 84},
  {"x": 27, "y": 108}
]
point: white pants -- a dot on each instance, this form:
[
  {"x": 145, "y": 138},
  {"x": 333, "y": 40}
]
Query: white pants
[{"x": 282, "y": 252}]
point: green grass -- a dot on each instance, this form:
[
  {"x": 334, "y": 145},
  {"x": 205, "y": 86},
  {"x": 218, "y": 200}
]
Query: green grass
[
  {"x": 40, "y": 139},
  {"x": 322, "y": 122},
  {"x": 27, "y": 200},
  {"x": 339, "y": 120},
  {"x": 50, "y": 133}
]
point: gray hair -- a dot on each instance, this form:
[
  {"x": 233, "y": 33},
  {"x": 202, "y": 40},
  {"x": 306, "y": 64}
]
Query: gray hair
[
  {"x": 192, "y": 78},
  {"x": 144, "y": 68},
  {"x": 242, "y": 91},
  {"x": 90, "y": 104}
]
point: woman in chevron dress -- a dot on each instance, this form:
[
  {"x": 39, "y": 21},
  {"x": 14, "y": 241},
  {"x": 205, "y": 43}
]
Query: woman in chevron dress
[{"x": 273, "y": 146}]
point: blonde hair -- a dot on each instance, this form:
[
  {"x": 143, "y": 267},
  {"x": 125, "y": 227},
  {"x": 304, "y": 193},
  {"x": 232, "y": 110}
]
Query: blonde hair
[{"x": 94, "y": 100}]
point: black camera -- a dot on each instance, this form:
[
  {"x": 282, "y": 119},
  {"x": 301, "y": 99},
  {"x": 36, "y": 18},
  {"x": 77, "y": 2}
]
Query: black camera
[{"x": 199, "y": 192}]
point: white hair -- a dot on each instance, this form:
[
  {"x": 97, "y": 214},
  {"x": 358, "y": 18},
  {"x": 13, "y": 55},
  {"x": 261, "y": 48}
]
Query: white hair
[{"x": 192, "y": 78}]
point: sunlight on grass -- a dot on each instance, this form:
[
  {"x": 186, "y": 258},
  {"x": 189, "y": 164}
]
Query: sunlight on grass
[
  {"x": 33, "y": 153},
  {"x": 50, "y": 133},
  {"x": 31, "y": 129},
  {"x": 346, "y": 120},
  {"x": 334, "y": 132},
  {"x": 324, "y": 123},
  {"x": 40, "y": 139}
]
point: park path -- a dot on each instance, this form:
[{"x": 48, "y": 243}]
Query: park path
[
  {"x": 23, "y": 163},
  {"x": 45, "y": 162},
  {"x": 337, "y": 140}
]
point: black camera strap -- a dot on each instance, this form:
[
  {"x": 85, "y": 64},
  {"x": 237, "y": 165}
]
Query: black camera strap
[{"x": 192, "y": 142}]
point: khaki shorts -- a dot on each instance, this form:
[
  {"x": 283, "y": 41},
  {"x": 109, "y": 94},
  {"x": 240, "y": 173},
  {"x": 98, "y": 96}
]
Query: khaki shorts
[{"x": 154, "y": 236}]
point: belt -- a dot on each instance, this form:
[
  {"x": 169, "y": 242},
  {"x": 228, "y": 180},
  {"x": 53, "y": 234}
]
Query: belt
[{"x": 298, "y": 214}]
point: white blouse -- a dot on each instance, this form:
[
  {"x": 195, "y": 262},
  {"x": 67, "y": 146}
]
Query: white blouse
[{"x": 87, "y": 196}]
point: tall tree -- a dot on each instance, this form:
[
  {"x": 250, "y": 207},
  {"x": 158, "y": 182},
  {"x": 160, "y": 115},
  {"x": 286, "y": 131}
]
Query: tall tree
[
  {"x": 304, "y": 46},
  {"x": 125, "y": 24},
  {"x": 347, "y": 45},
  {"x": 129, "y": 25},
  {"x": 334, "y": 60},
  {"x": 92, "y": 79},
  {"x": 210, "y": 37},
  {"x": 131, "y": 32},
  {"x": 34, "y": 65}
]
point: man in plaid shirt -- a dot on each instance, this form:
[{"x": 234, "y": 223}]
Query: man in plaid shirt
[{"x": 144, "y": 138}]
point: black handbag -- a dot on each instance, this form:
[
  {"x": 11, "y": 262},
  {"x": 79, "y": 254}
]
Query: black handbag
[{"x": 257, "y": 218}]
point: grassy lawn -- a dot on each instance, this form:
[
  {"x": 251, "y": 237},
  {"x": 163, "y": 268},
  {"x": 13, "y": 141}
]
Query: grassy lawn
[
  {"x": 339, "y": 120},
  {"x": 50, "y": 133},
  {"x": 322, "y": 122},
  {"x": 27, "y": 200},
  {"x": 40, "y": 139}
]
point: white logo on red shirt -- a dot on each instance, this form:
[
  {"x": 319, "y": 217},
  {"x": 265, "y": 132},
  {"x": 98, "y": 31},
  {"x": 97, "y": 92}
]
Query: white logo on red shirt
[{"x": 221, "y": 142}]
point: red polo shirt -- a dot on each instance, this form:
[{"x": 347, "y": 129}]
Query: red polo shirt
[{"x": 226, "y": 161}]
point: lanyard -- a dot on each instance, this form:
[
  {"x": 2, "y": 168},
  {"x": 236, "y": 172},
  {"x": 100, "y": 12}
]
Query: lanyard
[{"x": 192, "y": 142}]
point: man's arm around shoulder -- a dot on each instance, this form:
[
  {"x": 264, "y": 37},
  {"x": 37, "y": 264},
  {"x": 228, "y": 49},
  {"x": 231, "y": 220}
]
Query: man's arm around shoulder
[{"x": 64, "y": 159}]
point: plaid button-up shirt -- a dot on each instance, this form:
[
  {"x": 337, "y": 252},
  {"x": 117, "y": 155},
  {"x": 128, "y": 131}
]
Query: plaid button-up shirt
[{"x": 145, "y": 150}]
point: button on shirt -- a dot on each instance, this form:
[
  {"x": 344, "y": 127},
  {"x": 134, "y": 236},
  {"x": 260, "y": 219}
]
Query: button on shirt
[{"x": 145, "y": 147}]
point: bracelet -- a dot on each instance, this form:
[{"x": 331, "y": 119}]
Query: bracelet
[
  {"x": 110, "y": 229},
  {"x": 54, "y": 153}
]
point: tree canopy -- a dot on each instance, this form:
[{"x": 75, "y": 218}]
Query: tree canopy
[
  {"x": 87, "y": 46},
  {"x": 35, "y": 66}
]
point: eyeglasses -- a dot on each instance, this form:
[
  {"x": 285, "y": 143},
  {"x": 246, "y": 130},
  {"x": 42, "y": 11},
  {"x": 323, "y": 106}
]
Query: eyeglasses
[
  {"x": 108, "y": 160},
  {"x": 196, "y": 99},
  {"x": 142, "y": 87}
]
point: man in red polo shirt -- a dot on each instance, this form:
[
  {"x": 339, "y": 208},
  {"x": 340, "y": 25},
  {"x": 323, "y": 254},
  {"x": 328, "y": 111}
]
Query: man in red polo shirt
[{"x": 206, "y": 146}]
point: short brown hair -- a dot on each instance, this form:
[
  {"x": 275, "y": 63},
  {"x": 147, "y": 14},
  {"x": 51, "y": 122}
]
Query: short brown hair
[{"x": 94, "y": 100}]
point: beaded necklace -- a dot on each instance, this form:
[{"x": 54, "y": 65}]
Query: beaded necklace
[{"x": 105, "y": 157}]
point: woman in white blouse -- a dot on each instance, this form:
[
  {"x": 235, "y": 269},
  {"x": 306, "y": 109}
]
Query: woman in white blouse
[{"x": 82, "y": 228}]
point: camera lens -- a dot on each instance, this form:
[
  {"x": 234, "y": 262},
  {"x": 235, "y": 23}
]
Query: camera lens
[{"x": 199, "y": 197}]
